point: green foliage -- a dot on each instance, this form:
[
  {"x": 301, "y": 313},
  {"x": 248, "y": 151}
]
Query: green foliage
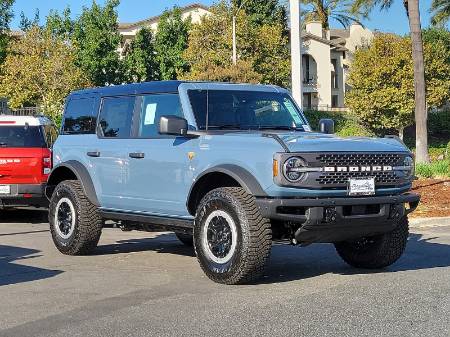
[
  {"x": 6, "y": 14},
  {"x": 269, "y": 12},
  {"x": 382, "y": 81},
  {"x": 40, "y": 71},
  {"x": 171, "y": 41},
  {"x": 436, "y": 169},
  {"x": 441, "y": 12},
  {"x": 324, "y": 10},
  {"x": 263, "y": 51},
  {"x": 96, "y": 38},
  {"x": 346, "y": 123},
  {"x": 439, "y": 123},
  {"x": 26, "y": 23},
  {"x": 60, "y": 24},
  {"x": 140, "y": 58}
]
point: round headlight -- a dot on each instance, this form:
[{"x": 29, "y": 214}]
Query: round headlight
[
  {"x": 292, "y": 169},
  {"x": 408, "y": 162}
]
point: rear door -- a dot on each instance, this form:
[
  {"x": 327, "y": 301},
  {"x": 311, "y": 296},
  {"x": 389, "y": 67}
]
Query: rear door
[{"x": 22, "y": 149}]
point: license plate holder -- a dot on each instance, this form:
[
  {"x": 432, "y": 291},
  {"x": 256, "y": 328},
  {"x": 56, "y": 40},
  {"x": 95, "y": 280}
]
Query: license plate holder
[
  {"x": 5, "y": 189},
  {"x": 362, "y": 186}
]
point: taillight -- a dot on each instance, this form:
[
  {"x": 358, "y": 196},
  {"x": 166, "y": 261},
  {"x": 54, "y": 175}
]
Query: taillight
[{"x": 47, "y": 162}]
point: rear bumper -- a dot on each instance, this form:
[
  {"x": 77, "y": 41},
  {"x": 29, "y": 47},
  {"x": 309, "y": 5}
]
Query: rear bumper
[
  {"x": 25, "y": 194},
  {"x": 339, "y": 219}
]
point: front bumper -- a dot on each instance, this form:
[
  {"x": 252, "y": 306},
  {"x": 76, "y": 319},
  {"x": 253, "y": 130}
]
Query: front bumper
[{"x": 339, "y": 219}]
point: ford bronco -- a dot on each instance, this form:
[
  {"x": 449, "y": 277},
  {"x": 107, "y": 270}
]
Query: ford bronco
[{"x": 229, "y": 168}]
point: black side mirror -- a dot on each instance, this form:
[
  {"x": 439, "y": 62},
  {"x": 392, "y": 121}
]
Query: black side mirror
[
  {"x": 326, "y": 126},
  {"x": 173, "y": 125}
]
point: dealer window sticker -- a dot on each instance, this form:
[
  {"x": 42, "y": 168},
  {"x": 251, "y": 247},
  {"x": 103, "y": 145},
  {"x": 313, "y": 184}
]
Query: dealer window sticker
[{"x": 150, "y": 113}]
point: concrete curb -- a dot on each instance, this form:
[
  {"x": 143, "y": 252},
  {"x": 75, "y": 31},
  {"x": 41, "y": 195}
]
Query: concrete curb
[{"x": 429, "y": 222}]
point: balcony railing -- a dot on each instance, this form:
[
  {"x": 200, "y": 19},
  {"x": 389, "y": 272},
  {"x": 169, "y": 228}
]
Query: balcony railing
[
  {"x": 324, "y": 107},
  {"x": 27, "y": 111}
]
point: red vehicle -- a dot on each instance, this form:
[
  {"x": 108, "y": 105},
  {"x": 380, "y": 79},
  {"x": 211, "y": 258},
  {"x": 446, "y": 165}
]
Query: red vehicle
[{"x": 25, "y": 159}]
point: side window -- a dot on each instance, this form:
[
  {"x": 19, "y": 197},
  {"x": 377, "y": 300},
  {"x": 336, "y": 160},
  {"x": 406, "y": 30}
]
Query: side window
[
  {"x": 50, "y": 135},
  {"x": 116, "y": 117},
  {"x": 79, "y": 116},
  {"x": 153, "y": 107}
]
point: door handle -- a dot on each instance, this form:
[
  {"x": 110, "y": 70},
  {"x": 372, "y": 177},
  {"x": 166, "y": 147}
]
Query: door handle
[
  {"x": 93, "y": 154},
  {"x": 137, "y": 155}
]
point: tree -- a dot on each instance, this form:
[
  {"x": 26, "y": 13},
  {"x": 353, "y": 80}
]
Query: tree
[
  {"x": 171, "y": 41},
  {"x": 40, "y": 70},
  {"x": 382, "y": 81},
  {"x": 269, "y": 12},
  {"x": 412, "y": 11},
  {"x": 441, "y": 11},
  {"x": 140, "y": 58},
  {"x": 263, "y": 54},
  {"x": 323, "y": 10},
  {"x": 26, "y": 23},
  {"x": 60, "y": 25},
  {"x": 6, "y": 14},
  {"x": 96, "y": 38}
]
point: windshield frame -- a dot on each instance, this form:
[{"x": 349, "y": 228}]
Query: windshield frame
[{"x": 302, "y": 126}]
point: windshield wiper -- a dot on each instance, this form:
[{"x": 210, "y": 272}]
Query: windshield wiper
[
  {"x": 279, "y": 127},
  {"x": 225, "y": 127}
]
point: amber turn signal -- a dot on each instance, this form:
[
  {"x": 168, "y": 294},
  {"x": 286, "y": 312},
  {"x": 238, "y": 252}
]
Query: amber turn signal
[{"x": 275, "y": 168}]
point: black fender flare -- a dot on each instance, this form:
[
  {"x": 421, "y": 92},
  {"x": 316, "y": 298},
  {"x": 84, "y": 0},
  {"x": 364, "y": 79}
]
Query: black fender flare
[
  {"x": 241, "y": 175},
  {"x": 82, "y": 175}
]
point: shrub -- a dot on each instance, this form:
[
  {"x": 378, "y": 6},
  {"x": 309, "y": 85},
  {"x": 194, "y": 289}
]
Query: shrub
[{"x": 437, "y": 169}]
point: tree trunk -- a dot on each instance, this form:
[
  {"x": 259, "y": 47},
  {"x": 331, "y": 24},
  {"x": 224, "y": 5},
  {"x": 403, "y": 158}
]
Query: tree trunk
[
  {"x": 400, "y": 133},
  {"x": 412, "y": 8}
]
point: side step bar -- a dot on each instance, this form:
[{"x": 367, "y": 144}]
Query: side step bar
[{"x": 169, "y": 223}]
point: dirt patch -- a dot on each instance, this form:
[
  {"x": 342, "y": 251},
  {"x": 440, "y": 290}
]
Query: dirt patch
[{"x": 435, "y": 197}]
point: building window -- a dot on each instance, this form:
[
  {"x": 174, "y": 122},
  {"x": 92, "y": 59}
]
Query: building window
[
  {"x": 334, "y": 101},
  {"x": 334, "y": 76}
]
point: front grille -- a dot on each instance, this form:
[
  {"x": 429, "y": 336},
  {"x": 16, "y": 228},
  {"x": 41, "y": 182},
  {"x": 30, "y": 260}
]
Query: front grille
[
  {"x": 340, "y": 178},
  {"x": 348, "y": 159},
  {"x": 386, "y": 178}
]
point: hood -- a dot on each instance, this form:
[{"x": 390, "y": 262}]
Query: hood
[{"x": 318, "y": 142}]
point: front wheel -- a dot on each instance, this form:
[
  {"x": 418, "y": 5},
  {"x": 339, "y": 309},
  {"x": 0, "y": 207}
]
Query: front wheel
[
  {"x": 231, "y": 238},
  {"x": 378, "y": 251}
]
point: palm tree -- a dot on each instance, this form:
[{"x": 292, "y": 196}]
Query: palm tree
[
  {"x": 412, "y": 11},
  {"x": 323, "y": 10},
  {"x": 441, "y": 11}
]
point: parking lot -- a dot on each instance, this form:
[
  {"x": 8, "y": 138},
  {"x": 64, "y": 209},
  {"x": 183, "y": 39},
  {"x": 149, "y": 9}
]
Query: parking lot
[{"x": 143, "y": 284}]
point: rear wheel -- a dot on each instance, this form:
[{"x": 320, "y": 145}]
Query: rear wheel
[
  {"x": 375, "y": 252},
  {"x": 75, "y": 222},
  {"x": 231, "y": 238}
]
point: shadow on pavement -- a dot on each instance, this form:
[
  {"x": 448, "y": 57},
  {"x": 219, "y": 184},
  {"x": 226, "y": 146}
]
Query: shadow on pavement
[
  {"x": 163, "y": 243},
  {"x": 13, "y": 273},
  {"x": 288, "y": 263},
  {"x": 20, "y": 215}
]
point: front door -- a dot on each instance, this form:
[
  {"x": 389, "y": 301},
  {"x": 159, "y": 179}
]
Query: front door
[{"x": 160, "y": 167}]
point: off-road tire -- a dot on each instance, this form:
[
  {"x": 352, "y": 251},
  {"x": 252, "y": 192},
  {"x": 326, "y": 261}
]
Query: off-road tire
[
  {"x": 254, "y": 236},
  {"x": 88, "y": 223},
  {"x": 186, "y": 239},
  {"x": 379, "y": 251}
]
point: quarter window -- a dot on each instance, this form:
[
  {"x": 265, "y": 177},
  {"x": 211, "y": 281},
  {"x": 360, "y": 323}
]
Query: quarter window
[
  {"x": 116, "y": 117},
  {"x": 153, "y": 107},
  {"x": 79, "y": 116}
]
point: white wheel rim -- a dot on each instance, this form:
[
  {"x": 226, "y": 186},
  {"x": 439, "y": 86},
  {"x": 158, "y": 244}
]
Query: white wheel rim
[
  {"x": 230, "y": 234},
  {"x": 64, "y": 228}
]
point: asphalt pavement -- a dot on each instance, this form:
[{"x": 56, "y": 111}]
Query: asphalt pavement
[{"x": 149, "y": 284}]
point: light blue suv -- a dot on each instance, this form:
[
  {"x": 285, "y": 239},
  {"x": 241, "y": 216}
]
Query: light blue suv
[{"x": 229, "y": 168}]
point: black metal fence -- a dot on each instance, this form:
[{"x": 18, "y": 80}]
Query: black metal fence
[{"x": 28, "y": 111}]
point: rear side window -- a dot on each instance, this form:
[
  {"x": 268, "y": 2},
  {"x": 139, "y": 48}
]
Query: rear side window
[
  {"x": 116, "y": 117},
  {"x": 21, "y": 136},
  {"x": 79, "y": 116}
]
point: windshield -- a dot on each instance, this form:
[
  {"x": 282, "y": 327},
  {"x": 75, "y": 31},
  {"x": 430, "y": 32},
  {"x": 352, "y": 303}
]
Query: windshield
[
  {"x": 246, "y": 110},
  {"x": 21, "y": 136}
]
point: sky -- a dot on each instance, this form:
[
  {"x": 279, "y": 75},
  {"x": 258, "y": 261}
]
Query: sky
[{"x": 394, "y": 20}]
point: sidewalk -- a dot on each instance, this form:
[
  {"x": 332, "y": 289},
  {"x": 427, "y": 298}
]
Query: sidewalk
[{"x": 429, "y": 222}]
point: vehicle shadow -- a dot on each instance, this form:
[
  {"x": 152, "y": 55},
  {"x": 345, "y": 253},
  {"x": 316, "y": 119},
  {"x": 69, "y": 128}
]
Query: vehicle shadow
[
  {"x": 17, "y": 215},
  {"x": 288, "y": 263},
  {"x": 163, "y": 243},
  {"x": 13, "y": 273}
]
